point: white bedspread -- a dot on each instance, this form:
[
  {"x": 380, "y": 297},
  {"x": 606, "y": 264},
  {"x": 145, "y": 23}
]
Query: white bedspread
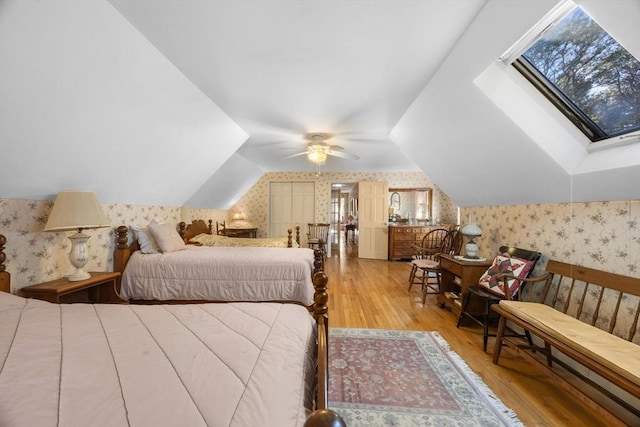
[
  {"x": 235, "y": 364},
  {"x": 221, "y": 274}
]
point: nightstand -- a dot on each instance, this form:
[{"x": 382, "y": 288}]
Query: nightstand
[{"x": 100, "y": 287}]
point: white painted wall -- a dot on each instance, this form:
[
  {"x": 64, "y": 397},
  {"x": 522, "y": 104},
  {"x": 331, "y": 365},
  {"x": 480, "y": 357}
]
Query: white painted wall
[
  {"x": 86, "y": 102},
  {"x": 496, "y": 143}
]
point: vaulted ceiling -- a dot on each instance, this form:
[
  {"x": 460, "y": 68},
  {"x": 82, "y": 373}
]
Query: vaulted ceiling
[{"x": 172, "y": 102}]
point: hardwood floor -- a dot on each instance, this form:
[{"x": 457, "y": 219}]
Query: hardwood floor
[{"x": 367, "y": 293}]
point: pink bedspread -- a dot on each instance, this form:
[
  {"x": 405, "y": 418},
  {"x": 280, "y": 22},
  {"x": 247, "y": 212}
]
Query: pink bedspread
[
  {"x": 221, "y": 274},
  {"x": 235, "y": 364}
]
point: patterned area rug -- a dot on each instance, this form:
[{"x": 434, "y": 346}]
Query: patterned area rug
[{"x": 407, "y": 378}]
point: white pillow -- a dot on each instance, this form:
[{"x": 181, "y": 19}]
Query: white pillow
[
  {"x": 146, "y": 241},
  {"x": 167, "y": 237}
]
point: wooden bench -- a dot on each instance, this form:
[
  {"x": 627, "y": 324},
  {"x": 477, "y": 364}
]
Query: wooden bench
[{"x": 591, "y": 317}]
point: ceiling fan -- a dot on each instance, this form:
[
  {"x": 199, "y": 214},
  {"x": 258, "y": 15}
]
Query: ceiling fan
[{"x": 318, "y": 150}]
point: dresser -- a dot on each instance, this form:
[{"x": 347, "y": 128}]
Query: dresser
[{"x": 403, "y": 237}]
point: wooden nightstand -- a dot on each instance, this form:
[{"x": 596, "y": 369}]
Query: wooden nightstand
[{"x": 100, "y": 287}]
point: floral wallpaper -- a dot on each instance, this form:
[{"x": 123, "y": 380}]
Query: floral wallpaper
[
  {"x": 601, "y": 235},
  {"x": 35, "y": 256},
  {"x": 255, "y": 203}
]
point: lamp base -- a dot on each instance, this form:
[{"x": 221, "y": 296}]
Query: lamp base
[
  {"x": 472, "y": 250},
  {"x": 78, "y": 256},
  {"x": 78, "y": 276}
]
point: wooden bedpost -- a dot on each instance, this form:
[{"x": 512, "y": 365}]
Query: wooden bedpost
[
  {"x": 318, "y": 258},
  {"x": 322, "y": 416},
  {"x": 5, "y": 277},
  {"x": 210, "y": 226},
  {"x": 298, "y": 235},
  {"x": 320, "y": 312},
  {"x": 182, "y": 229},
  {"x": 289, "y": 239},
  {"x": 123, "y": 252}
]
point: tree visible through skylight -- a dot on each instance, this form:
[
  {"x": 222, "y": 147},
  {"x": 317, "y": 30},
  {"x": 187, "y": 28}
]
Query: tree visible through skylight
[{"x": 593, "y": 78}]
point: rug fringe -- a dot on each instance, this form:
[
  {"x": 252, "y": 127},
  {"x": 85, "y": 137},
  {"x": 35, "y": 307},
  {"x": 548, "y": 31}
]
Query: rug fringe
[{"x": 477, "y": 380}]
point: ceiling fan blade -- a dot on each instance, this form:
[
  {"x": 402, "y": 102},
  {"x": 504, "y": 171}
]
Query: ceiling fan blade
[
  {"x": 304, "y": 153},
  {"x": 342, "y": 154}
]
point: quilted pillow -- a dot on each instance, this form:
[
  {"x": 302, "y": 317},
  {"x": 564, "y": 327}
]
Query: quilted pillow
[
  {"x": 167, "y": 237},
  {"x": 505, "y": 264},
  {"x": 146, "y": 241}
]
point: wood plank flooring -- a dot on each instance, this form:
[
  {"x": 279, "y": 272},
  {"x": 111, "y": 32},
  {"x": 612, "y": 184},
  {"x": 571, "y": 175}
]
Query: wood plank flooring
[{"x": 367, "y": 293}]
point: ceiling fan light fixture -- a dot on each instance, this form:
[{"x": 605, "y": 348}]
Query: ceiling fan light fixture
[{"x": 317, "y": 156}]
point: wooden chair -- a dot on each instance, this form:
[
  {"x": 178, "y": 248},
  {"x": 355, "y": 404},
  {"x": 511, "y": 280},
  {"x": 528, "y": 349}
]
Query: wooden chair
[
  {"x": 317, "y": 236},
  {"x": 485, "y": 298},
  {"x": 425, "y": 264}
]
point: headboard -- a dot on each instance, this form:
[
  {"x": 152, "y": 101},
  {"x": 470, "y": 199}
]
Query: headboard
[{"x": 198, "y": 226}]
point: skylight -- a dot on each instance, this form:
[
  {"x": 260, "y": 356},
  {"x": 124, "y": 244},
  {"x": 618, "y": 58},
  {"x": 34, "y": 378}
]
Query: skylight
[{"x": 585, "y": 73}]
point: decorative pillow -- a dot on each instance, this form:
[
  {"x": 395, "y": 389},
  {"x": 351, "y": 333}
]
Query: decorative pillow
[
  {"x": 146, "y": 241},
  {"x": 167, "y": 237},
  {"x": 505, "y": 264}
]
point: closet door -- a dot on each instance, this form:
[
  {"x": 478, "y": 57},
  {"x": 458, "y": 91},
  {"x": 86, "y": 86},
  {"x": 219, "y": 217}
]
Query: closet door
[
  {"x": 303, "y": 204},
  {"x": 291, "y": 204}
]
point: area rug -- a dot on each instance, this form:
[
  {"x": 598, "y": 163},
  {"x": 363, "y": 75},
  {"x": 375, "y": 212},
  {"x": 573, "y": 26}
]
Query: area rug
[{"x": 407, "y": 378}]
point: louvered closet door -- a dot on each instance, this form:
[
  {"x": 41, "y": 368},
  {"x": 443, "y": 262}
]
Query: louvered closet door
[{"x": 291, "y": 204}]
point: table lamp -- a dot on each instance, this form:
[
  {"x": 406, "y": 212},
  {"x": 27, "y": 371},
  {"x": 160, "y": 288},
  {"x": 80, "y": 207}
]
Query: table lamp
[
  {"x": 472, "y": 231},
  {"x": 77, "y": 210}
]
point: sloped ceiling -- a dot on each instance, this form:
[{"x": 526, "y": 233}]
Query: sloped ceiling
[
  {"x": 192, "y": 101},
  {"x": 87, "y": 103}
]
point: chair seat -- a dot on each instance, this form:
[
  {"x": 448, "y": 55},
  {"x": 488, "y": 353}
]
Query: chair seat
[{"x": 427, "y": 264}]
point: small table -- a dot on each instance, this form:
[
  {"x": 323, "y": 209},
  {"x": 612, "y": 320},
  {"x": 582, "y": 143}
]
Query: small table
[
  {"x": 100, "y": 287},
  {"x": 241, "y": 232},
  {"x": 456, "y": 275}
]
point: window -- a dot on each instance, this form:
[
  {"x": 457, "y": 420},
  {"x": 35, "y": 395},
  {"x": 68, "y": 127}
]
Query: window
[{"x": 586, "y": 74}]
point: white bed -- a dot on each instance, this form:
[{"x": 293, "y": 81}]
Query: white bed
[
  {"x": 221, "y": 274},
  {"x": 243, "y": 364},
  {"x": 226, "y": 241},
  {"x": 202, "y": 232},
  {"x": 215, "y": 364},
  {"x": 203, "y": 273}
]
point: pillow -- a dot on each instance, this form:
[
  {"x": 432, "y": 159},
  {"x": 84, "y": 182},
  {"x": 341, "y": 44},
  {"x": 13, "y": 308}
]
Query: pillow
[
  {"x": 167, "y": 237},
  {"x": 505, "y": 264},
  {"x": 146, "y": 241}
]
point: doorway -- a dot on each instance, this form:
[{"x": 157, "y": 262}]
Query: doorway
[{"x": 344, "y": 214}]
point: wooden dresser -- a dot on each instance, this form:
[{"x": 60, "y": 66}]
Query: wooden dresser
[{"x": 403, "y": 237}]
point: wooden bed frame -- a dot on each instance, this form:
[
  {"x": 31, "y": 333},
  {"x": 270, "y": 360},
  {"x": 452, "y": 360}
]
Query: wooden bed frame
[
  {"x": 199, "y": 226},
  {"x": 322, "y": 416},
  {"x": 5, "y": 277}
]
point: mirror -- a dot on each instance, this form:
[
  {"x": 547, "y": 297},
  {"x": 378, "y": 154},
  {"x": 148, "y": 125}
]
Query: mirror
[{"x": 410, "y": 205}]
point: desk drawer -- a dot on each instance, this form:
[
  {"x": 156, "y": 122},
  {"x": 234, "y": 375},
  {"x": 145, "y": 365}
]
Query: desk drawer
[
  {"x": 400, "y": 237},
  {"x": 454, "y": 267}
]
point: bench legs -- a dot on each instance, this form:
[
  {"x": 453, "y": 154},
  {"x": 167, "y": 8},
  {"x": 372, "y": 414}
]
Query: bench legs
[{"x": 498, "y": 345}]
